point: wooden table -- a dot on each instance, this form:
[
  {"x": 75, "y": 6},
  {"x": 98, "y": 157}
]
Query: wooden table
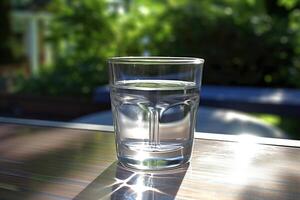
[{"x": 73, "y": 161}]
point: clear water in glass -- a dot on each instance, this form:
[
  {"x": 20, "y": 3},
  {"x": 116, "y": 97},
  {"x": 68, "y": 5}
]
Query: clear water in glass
[{"x": 154, "y": 122}]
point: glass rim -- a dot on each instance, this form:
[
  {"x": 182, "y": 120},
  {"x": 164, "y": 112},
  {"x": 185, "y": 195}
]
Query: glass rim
[{"x": 152, "y": 60}]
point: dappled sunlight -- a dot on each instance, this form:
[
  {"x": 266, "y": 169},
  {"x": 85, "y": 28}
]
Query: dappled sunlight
[
  {"x": 276, "y": 97},
  {"x": 241, "y": 123},
  {"x": 231, "y": 116}
]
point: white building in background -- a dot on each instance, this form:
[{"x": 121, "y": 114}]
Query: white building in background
[{"x": 30, "y": 20}]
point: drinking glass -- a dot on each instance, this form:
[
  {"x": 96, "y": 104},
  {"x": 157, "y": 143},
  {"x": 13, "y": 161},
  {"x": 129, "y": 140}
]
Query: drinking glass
[{"x": 154, "y": 104}]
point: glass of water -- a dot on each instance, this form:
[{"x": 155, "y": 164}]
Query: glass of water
[{"x": 154, "y": 104}]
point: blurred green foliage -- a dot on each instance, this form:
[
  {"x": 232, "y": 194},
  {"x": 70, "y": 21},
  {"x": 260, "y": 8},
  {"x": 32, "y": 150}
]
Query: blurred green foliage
[
  {"x": 244, "y": 42},
  {"x": 252, "y": 42},
  {"x": 84, "y": 34},
  {"x": 6, "y": 50}
]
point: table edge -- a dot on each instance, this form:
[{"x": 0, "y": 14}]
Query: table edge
[{"x": 108, "y": 129}]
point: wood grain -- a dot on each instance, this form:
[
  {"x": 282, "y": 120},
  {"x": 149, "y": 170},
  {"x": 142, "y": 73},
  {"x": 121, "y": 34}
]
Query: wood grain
[{"x": 61, "y": 164}]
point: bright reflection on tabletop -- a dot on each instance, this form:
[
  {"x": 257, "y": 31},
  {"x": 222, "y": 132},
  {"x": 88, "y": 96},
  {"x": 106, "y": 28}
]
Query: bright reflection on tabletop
[
  {"x": 118, "y": 182},
  {"x": 244, "y": 153}
]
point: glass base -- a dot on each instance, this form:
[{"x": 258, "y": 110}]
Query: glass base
[
  {"x": 166, "y": 155},
  {"x": 153, "y": 163}
]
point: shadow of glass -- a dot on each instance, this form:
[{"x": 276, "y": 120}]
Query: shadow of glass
[{"x": 118, "y": 182}]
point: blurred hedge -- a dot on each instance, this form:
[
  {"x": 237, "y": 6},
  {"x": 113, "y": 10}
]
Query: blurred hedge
[
  {"x": 6, "y": 50},
  {"x": 253, "y": 42},
  {"x": 244, "y": 42}
]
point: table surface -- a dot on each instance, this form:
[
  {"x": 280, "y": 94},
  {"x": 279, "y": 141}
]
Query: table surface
[{"x": 63, "y": 163}]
